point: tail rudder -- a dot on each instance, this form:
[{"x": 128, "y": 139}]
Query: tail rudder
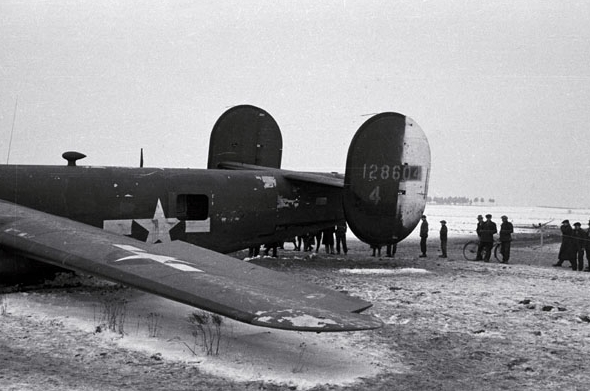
[
  {"x": 386, "y": 180},
  {"x": 246, "y": 134}
]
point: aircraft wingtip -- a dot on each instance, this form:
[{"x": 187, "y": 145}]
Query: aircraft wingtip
[{"x": 304, "y": 321}]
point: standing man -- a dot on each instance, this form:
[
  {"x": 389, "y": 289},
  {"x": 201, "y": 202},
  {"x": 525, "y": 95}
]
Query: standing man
[
  {"x": 580, "y": 239},
  {"x": 488, "y": 229},
  {"x": 307, "y": 242},
  {"x": 376, "y": 250},
  {"x": 328, "y": 239},
  {"x": 341, "y": 236},
  {"x": 423, "y": 236},
  {"x": 506, "y": 230},
  {"x": 587, "y": 248},
  {"x": 478, "y": 231},
  {"x": 443, "y": 239},
  {"x": 318, "y": 240},
  {"x": 567, "y": 250},
  {"x": 391, "y": 250}
]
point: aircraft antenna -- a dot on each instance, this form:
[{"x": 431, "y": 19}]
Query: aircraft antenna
[
  {"x": 141, "y": 158},
  {"x": 12, "y": 130}
]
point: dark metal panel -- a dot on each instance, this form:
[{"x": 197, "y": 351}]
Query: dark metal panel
[{"x": 246, "y": 134}]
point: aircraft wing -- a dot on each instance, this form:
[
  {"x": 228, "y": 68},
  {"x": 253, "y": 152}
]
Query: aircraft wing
[{"x": 182, "y": 272}]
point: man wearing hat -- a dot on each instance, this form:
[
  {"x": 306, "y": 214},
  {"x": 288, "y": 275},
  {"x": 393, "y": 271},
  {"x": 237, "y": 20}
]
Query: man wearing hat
[
  {"x": 567, "y": 250},
  {"x": 443, "y": 239},
  {"x": 506, "y": 230},
  {"x": 486, "y": 239}
]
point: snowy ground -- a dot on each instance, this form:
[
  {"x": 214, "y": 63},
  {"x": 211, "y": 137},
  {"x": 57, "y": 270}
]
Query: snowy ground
[
  {"x": 450, "y": 324},
  {"x": 157, "y": 326}
]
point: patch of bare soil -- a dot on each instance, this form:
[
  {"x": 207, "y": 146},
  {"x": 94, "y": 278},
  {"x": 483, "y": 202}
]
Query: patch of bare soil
[{"x": 450, "y": 324}]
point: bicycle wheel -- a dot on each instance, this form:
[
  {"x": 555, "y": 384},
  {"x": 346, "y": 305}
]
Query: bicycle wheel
[
  {"x": 470, "y": 250},
  {"x": 497, "y": 252}
]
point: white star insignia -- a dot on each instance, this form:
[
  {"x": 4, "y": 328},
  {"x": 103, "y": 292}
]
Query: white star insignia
[
  {"x": 163, "y": 259},
  {"x": 158, "y": 226}
]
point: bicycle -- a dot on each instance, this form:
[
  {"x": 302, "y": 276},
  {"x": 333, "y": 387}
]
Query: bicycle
[{"x": 470, "y": 250}]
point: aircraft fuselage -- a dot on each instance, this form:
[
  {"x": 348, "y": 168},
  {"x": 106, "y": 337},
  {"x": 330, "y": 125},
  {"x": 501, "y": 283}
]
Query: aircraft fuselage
[{"x": 222, "y": 210}]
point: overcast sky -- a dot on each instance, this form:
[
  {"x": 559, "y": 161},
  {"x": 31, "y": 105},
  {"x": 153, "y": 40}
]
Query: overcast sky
[{"x": 501, "y": 89}]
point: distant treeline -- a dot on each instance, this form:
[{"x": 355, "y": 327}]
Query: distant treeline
[{"x": 458, "y": 200}]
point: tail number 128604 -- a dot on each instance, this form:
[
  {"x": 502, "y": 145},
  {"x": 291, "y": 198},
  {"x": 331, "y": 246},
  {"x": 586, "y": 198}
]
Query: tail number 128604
[{"x": 402, "y": 173}]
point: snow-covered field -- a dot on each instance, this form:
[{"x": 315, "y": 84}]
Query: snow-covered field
[
  {"x": 449, "y": 325},
  {"x": 246, "y": 353},
  {"x": 463, "y": 219}
]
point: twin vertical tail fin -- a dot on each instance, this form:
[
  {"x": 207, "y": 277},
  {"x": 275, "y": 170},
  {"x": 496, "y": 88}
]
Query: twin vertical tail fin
[
  {"x": 246, "y": 134},
  {"x": 386, "y": 179},
  {"x": 387, "y": 168}
]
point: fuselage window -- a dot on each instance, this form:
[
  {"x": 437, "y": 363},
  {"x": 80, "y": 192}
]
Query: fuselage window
[{"x": 192, "y": 207}]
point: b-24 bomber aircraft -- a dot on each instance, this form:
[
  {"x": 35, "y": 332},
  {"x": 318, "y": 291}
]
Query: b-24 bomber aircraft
[{"x": 165, "y": 231}]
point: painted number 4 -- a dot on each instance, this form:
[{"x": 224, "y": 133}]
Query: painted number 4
[{"x": 374, "y": 196}]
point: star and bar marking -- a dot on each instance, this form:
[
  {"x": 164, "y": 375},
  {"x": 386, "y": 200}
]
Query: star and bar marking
[{"x": 158, "y": 227}]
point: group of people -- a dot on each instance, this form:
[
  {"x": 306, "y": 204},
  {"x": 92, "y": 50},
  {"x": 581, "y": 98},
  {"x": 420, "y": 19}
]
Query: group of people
[
  {"x": 424, "y": 236},
  {"x": 390, "y": 250},
  {"x": 574, "y": 241},
  {"x": 485, "y": 232},
  {"x": 333, "y": 239}
]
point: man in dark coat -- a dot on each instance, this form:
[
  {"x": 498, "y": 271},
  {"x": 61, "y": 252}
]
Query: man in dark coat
[
  {"x": 486, "y": 239},
  {"x": 328, "y": 239},
  {"x": 443, "y": 238},
  {"x": 506, "y": 230},
  {"x": 580, "y": 240},
  {"x": 478, "y": 231},
  {"x": 341, "y": 236},
  {"x": 567, "y": 250},
  {"x": 423, "y": 236}
]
